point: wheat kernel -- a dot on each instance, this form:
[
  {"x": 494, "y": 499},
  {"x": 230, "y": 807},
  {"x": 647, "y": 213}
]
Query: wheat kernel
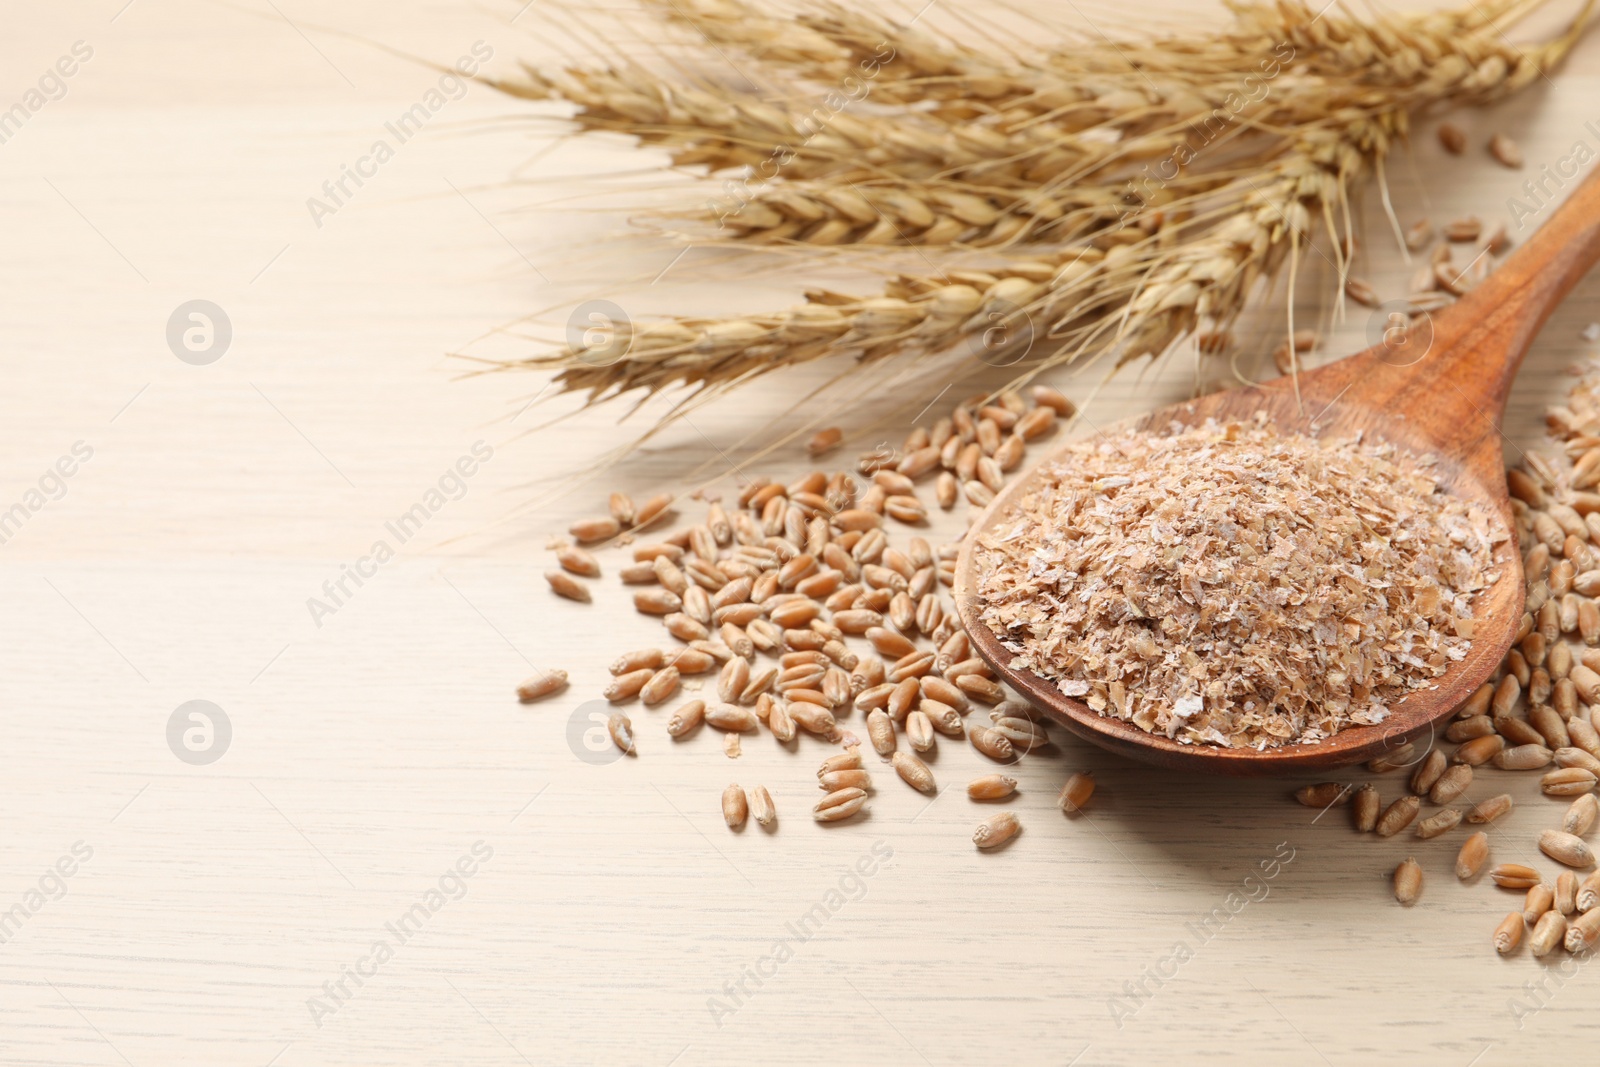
[
  {"x": 671, "y": 575},
  {"x": 824, "y": 441},
  {"x": 1505, "y": 696},
  {"x": 565, "y": 585},
  {"x": 849, "y": 759},
  {"x": 1364, "y": 808},
  {"x": 1505, "y": 151},
  {"x": 1567, "y": 782},
  {"x": 1517, "y": 731},
  {"x": 911, "y": 666},
  {"x": 1075, "y": 792},
  {"x": 831, "y": 781},
  {"x": 996, "y": 830},
  {"x": 914, "y": 772},
  {"x": 651, "y": 510},
  {"x": 903, "y": 697},
  {"x": 991, "y": 743},
  {"x": 1581, "y": 815},
  {"x": 1469, "y": 728},
  {"x": 731, "y": 717},
  {"x": 888, "y": 643},
  {"x": 1398, "y": 815},
  {"x": 650, "y": 553},
  {"x": 1428, "y": 772},
  {"x": 639, "y": 659},
  {"x": 588, "y": 531},
  {"x": 1055, "y": 400},
  {"x": 936, "y": 688},
  {"x": 541, "y": 686},
  {"x": 1438, "y": 823},
  {"x": 1478, "y": 702},
  {"x": 1489, "y": 810},
  {"x": 1361, "y": 293},
  {"x": 1566, "y": 896},
  {"x": 1474, "y": 853},
  {"x": 661, "y": 685},
  {"x": 980, "y": 688},
  {"x": 1582, "y": 932},
  {"x": 658, "y": 602},
  {"x": 686, "y": 718},
  {"x": 1566, "y": 848},
  {"x": 735, "y": 807},
  {"x": 1508, "y": 935},
  {"x": 1523, "y": 758},
  {"x": 840, "y": 804},
  {"x": 1514, "y": 876},
  {"x": 577, "y": 561},
  {"x": 1573, "y": 756},
  {"x": 733, "y": 679},
  {"x": 991, "y": 787},
  {"x": 1024, "y": 734},
  {"x": 1408, "y": 882},
  {"x": 781, "y": 724},
  {"x": 880, "y": 731},
  {"x": 814, "y": 719},
  {"x": 1589, "y": 892},
  {"x": 1550, "y": 931},
  {"x": 1323, "y": 794},
  {"x": 627, "y": 686},
  {"x": 762, "y": 809},
  {"x": 1479, "y": 750},
  {"x": 1418, "y": 236},
  {"x": 684, "y": 628},
  {"x": 620, "y": 727}
]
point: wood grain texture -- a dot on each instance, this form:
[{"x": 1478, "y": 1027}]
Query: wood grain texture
[{"x": 369, "y": 754}]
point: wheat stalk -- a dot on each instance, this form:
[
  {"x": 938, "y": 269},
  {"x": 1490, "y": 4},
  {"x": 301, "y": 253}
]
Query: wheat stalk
[
  {"x": 714, "y": 126},
  {"x": 1139, "y": 295},
  {"x": 1131, "y": 283},
  {"x": 827, "y": 45},
  {"x": 831, "y": 43},
  {"x": 905, "y": 182}
]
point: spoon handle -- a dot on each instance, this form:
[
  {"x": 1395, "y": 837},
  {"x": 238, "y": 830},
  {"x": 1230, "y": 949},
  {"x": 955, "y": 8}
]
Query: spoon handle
[{"x": 1479, "y": 343}]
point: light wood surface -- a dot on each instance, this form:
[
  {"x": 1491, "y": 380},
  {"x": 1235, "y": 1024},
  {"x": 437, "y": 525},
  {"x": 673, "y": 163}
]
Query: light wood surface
[{"x": 370, "y": 753}]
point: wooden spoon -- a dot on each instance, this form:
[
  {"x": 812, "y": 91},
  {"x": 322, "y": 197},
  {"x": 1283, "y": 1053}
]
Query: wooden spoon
[{"x": 1440, "y": 391}]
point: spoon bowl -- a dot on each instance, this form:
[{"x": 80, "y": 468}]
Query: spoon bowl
[{"x": 1436, "y": 387}]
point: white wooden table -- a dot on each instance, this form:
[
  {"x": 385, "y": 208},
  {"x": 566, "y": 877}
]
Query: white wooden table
[{"x": 609, "y": 917}]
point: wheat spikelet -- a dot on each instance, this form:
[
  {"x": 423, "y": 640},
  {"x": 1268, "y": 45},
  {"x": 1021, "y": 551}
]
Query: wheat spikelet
[
  {"x": 879, "y": 212},
  {"x": 711, "y": 125},
  {"x": 827, "y": 45},
  {"x": 1072, "y": 297},
  {"x": 830, "y": 43},
  {"x": 1126, "y": 274},
  {"x": 954, "y": 181},
  {"x": 1139, "y": 296}
]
